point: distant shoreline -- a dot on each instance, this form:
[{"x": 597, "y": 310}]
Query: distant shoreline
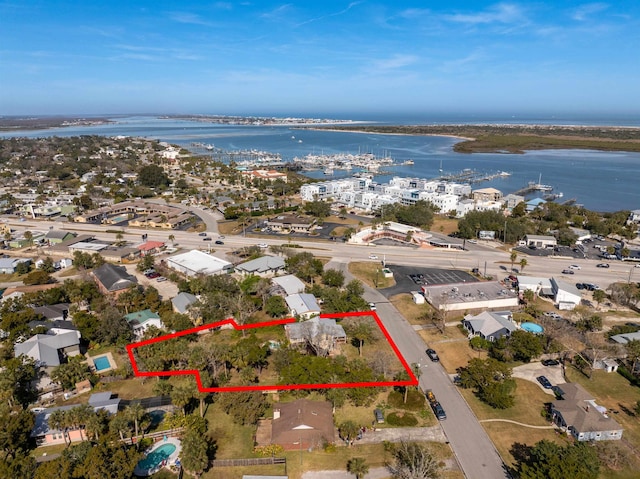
[
  {"x": 346, "y": 130},
  {"x": 515, "y": 138}
]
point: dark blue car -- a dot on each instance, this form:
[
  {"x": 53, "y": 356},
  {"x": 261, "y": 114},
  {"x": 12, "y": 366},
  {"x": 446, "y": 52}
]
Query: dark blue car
[{"x": 545, "y": 382}]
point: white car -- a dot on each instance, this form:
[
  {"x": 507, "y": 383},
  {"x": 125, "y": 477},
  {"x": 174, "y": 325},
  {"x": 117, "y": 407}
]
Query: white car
[
  {"x": 373, "y": 256},
  {"x": 263, "y": 245},
  {"x": 574, "y": 266}
]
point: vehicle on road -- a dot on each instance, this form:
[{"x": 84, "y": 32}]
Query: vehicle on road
[
  {"x": 219, "y": 242},
  {"x": 472, "y": 241},
  {"x": 206, "y": 239},
  {"x": 580, "y": 285},
  {"x": 372, "y": 306},
  {"x": 544, "y": 381},
  {"x": 202, "y": 234},
  {"x": 221, "y": 237},
  {"x": 373, "y": 256},
  {"x": 568, "y": 271},
  {"x": 438, "y": 410},
  {"x": 602, "y": 265},
  {"x": 574, "y": 266},
  {"x": 550, "y": 362},
  {"x": 263, "y": 245},
  {"x": 433, "y": 355}
]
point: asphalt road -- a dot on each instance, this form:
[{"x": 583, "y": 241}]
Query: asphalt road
[{"x": 474, "y": 450}]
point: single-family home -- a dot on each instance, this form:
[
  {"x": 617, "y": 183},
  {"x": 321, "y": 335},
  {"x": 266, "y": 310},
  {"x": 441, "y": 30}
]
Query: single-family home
[
  {"x": 486, "y": 194},
  {"x": 322, "y": 334},
  {"x": 140, "y": 321},
  {"x": 53, "y": 312},
  {"x": 182, "y": 301},
  {"x": 46, "y": 435},
  {"x": 113, "y": 280},
  {"x": 48, "y": 350},
  {"x": 150, "y": 247},
  {"x": 539, "y": 285},
  {"x": 302, "y": 424},
  {"x": 578, "y": 414},
  {"x": 490, "y": 325},
  {"x": 302, "y": 305},
  {"x": 288, "y": 284},
  {"x": 624, "y": 338},
  {"x": 9, "y": 265},
  {"x": 531, "y": 205},
  {"x": 264, "y": 266}
]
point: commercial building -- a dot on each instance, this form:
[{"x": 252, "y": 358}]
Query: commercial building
[{"x": 196, "y": 262}]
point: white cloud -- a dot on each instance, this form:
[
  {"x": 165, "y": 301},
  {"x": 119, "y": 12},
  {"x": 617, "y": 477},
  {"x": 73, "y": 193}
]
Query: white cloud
[
  {"x": 188, "y": 18},
  {"x": 500, "y": 13},
  {"x": 583, "y": 11},
  {"x": 335, "y": 14},
  {"x": 395, "y": 62}
]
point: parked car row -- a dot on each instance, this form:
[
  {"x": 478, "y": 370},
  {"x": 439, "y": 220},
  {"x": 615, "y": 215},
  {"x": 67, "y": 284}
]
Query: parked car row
[{"x": 587, "y": 286}]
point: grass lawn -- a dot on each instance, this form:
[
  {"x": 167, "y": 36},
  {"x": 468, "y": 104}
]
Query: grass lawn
[
  {"x": 366, "y": 272},
  {"x": 233, "y": 440},
  {"x": 410, "y": 310},
  {"x": 452, "y": 347},
  {"x": 71, "y": 271},
  {"x": 529, "y": 403}
]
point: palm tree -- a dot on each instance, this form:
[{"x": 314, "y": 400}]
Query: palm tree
[
  {"x": 95, "y": 424},
  {"x": 172, "y": 238},
  {"x": 135, "y": 413},
  {"x": 80, "y": 416},
  {"x": 358, "y": 467},
  {"x": 59, "y": 420},
  {"x": 513, "y": 257},
  {"x": 523, "y": 263}
]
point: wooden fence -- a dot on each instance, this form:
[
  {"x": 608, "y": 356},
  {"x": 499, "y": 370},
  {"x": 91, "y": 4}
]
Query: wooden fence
[{"x": 261, "y": 461}]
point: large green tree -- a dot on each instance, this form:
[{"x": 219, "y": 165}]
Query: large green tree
[
  {"x": 194, "y": 456},
  {"x": 153, "y": 176},
  {"x": 491, "y": 379},
  {"x": 546, "y": 459}
]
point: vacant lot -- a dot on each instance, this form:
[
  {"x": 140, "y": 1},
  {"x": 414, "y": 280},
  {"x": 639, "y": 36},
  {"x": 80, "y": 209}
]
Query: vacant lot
[{"x": 370, "y": 273}]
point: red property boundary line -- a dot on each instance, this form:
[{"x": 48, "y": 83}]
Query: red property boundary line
[{"x": 131, "y": 347}]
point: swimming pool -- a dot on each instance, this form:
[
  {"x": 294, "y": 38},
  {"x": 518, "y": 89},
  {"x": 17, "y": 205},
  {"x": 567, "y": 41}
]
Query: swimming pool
[
  {"x": 532, "y": 328},
  {"x": 101, "y": 363},
  {"x": 156, "y": 457}
]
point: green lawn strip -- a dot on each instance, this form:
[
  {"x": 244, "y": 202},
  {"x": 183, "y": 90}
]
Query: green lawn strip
[{"x": 366, "y": 272}]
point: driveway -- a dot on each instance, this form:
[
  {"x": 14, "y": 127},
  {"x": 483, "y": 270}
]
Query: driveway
[
  {"x": 531, "y": 371},
  {"x": 397, "y": 434}
]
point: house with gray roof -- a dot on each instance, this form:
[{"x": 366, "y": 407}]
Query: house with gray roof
[
  {"x": 9, "y": 265},
  {"x": 490, "y": 325},
  {"x": 53, "y": 312},
  {"x": 579, "y": 415},
  {"x": 302, "y": 305},
  {"x": 288, "y": 284},
  {"x": 47, "y": 436},
  {"x": 323, "y": 334},
  {"x": 263, "y": 266},
  {"x": 624, "y": 338},
  {"x": 182, "y": 301},
  {"x": 48, "y": 349},
  {"x": 113, "y": 279}
]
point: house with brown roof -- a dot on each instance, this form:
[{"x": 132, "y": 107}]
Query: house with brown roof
[
  {"x": 578, "y": 414},
  {"x": 302, "y": 424}
]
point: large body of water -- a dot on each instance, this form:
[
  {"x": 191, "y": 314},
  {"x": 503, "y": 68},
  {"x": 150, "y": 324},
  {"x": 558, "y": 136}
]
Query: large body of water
[{"x": 601, "y": 181}]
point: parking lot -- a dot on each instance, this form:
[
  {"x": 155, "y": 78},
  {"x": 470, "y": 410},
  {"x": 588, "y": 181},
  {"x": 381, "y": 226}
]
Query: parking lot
[
  {"x": 531, "y": 371},
  {"x": 409, "y": 278}
]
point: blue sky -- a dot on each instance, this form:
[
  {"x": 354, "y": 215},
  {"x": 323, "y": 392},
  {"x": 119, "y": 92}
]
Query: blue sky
[{"x": 259, "y": 57}]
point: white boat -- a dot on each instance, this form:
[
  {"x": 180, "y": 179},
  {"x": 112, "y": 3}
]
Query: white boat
[{"x": 328, "y": 171}]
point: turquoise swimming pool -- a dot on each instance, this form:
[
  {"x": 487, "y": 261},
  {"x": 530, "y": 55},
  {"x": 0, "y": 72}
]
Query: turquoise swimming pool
[
  {"x": 101, "y": 363},
  {"x": 156, "y": 457}
]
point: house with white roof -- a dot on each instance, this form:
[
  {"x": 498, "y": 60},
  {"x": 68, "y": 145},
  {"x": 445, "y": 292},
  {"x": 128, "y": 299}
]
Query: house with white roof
[
  {"x": 289, "y": 284},
  {"x": 539, "y": 285},
  {"x": 490, "y": 325},
  {"x": 303, "y": 305},
  {"x": 566, "y": 295}
]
